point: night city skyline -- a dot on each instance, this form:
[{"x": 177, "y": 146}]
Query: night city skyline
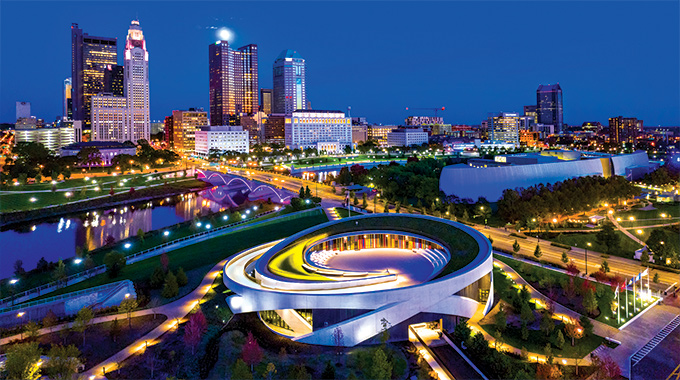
[{"x": 357, "y": 56}]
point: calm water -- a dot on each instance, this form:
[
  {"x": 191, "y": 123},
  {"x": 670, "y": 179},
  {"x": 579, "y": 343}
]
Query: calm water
[{"x": 58, "y": 239}]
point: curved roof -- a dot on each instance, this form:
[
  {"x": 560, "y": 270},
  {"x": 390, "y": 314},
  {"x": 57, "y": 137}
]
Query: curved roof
[{"x": 289, "y": 53}]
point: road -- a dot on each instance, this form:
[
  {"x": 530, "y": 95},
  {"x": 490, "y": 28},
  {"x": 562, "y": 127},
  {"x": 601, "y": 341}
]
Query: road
[{"x": 501, "y": 237}]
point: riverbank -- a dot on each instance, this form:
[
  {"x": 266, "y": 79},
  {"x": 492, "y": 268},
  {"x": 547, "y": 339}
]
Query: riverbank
[{"x": 141, "y": 195}]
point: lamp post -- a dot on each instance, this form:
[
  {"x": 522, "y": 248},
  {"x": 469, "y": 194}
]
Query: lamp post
[
  {"x": 586, "y": 248},
  {"x": 12, "y": 282}
]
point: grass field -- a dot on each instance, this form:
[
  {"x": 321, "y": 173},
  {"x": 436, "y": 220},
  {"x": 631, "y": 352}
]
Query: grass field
[
  {"x": 581, "y": 239},
  {"x": 670, "y": 209},
  {"x": 208, "y": 252}
]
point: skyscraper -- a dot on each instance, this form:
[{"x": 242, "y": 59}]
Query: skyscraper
[
  {"x": 114, "y": 80},
  {"x": 266, "y": 96},
  {"x": 68, "y": 101},
  {"x": 504, "y": 126},
  {"x": 90, "y": 56},
  {"x": 234, "y": 82},
  {"x": 23, "y": 110},
  {"x": 549, "y": 105},
  {"x": 137, "y": 83},
  {"x": 290, "y": 93},
  {"x": 624, "y": 129},
  {"x": 185, "y": 124},
  {"x": 126, "y": 118}
]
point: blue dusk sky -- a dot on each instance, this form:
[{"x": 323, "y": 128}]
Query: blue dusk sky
[{"x": 611, "y": 58}]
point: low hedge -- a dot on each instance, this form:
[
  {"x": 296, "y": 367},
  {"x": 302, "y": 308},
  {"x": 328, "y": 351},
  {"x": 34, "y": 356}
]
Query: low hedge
[
  {"x": 518, "y": 235},
  {"x": 567, "y": 247}
]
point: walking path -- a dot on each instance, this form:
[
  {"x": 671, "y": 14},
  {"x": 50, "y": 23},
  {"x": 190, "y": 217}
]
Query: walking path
[
  {"x": 625, "y": 232},
  {"x": 174, "y": 311}
]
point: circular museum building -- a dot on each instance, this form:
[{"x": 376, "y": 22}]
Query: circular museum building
[{"x": 345, "y": 277}]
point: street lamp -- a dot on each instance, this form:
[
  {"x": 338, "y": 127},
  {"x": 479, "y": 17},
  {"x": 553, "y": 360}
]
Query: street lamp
[{"x": 587, "y": 245}]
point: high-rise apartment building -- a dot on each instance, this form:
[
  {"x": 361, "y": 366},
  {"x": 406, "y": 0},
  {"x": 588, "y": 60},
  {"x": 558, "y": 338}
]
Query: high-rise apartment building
[
  {"x": 137, "y": 84},
  {"x": 184, "y": 127},
  {"x": 90, "y": 56},
  {"x": 168, "y": 130},
  {"x": 230, "y": 138},
  {"x": 328, "y": 131},
  {"x": 624, "y": 129},
  {"x": 68, "y": 101},
  {"x": 290, "y": 93},
  {"x": 549, "y": 105},
  {"x": 23, "y": 110},
  {"x": 234, "y": 82},
  {"x": 114, "y": 80},
  {"x": 504, "y": 127},
  {"x": 109, "y": 118},
  {"x": 266, "y": 98}
]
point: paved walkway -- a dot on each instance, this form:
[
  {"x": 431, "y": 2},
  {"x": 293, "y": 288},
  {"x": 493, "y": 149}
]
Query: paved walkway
[
  {"x": 625, "y": 232},
  {"x": 174, "y": 311}
]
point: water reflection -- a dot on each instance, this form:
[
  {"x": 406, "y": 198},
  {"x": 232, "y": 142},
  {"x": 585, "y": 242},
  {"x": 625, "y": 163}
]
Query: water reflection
[{"x": 59, "y": 238}]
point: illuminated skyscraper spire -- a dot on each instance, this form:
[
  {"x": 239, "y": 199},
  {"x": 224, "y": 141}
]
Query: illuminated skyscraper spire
[{"x": 138, "y": 124}]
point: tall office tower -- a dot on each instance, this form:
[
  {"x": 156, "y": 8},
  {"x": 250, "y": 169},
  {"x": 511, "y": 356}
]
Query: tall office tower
[
  {"x": 266, "y": 95},
  {"x": 168, "y": 130},
  {"x": 624, "y": 129},
  {"x": 549, "y": 105},
  {"x": 90, "y": 55},
  {"x": 531, "y": 111},
  {"x": 234, "y": 84},
  {"x": 290, "y": 93},
  {"x": 114, "y": 80},
  {"x": 504, "y": 126},
  {"x": 23, "y": 110},
  {"x": 68, "y": 101},
  {"x": 137, "y": 84},
  {"x": 184, "y": 127}
]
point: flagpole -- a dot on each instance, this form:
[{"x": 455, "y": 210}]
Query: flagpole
[
  {"x": 634, "y": 281},
  {"x": 618, "y": 304},
  {"x": 627, "y": 300},
  {"x": 649, "y": 289}
]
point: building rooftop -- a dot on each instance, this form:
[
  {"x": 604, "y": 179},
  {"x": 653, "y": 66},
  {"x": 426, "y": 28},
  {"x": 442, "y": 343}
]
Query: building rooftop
[
  {"x": 98, "y": 145},
  {"x": 288, "y": 53},
  {"x": 549, "y": 87}
]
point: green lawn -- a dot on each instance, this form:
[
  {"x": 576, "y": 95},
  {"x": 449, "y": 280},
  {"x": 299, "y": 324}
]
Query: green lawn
[
  {"x": 581, "y": 239},
  {"x": 208, "y": 252},
  {"x": 647, "y": 222},
  {"x": 671, "y": 235},
  {"x": 606, "y": 316},
  {"x": 670, "y": 209},
  {"x": 537, "y": 341},
  {"x": 344, "y": 213},
  {"x": 10, "y": 201}
]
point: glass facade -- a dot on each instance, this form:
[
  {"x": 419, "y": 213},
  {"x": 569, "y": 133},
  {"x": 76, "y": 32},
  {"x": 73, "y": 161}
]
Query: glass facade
[
  {"x": 549, "y": 105},
  {"x": 374, "y": 240},
  {"x": 290, "y": 93}
]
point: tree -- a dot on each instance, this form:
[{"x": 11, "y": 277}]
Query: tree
[
  {"x": 560, "y": 340},
  {"x": 565, "y": 258},
  {"x": 526, "y": 315},
  {"x": 586, "y": 324},
  {"x": 165, "y": 261},
  {"x": 386, "y": 210},
  {"x": 515, "y": 246},
  {"x": 355, "y": 201},
  {"x": 644, "y": 258},
  {"x": 589, "y": 301},
  {"x": 241, "y": 371},
  {"x": 501, "y": 320},
  {"x": 64, "y": 362},
  {"x": 548, "y": 371},
  {"x": 461, "y": 333},
  {"x": 59, "y": 273},
  {"x": 537, "y": 252},
  {"x": 328, "y": 372},
  {"x": 49, "y": 320},
  {"x": 88, "y": 156},
  {"x": 299, "y": 372},
  {"x": 193, "y": 330},
  {"x": 252, "y": 353},
  {"x": 301, "y": 194},
  {"x": 140, "y": 235},
  {"x": 127, "y": 306},
  {"x": 547, "y": 350},
  {"x": 524, "y": 331},
  {"x": 547, "y": 324},
  {"x": 157, "y": 278},
  {"x": 656, "y": 278},
  {"x": 170, "y": 288},
  {"x": 181, "y": 277},
  {"x": 381, "y": 368},
  {"x": 608, "y": 238},
  {"x": 397, "y": 207},
  {"x": 115, "y": 262},
  {"x": 364, "y": 200},
  {"x": 21, "y": 361},
  {"x": 31, "y": 330},
  {"x": 605, "y": 266},
  {"x": 82, "y": 322},
  {"x": 19, "y": 268},
  {"x": 115, "y": 330},
  {"x": 308, "y": 193},
  {"x": 385, "y": 331},
  {"x": 574, "y": 331},
  {"x": 338, "y": 340},
  {"x": 498, "y": 340},
  {"x": 606, "y": 368}
]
